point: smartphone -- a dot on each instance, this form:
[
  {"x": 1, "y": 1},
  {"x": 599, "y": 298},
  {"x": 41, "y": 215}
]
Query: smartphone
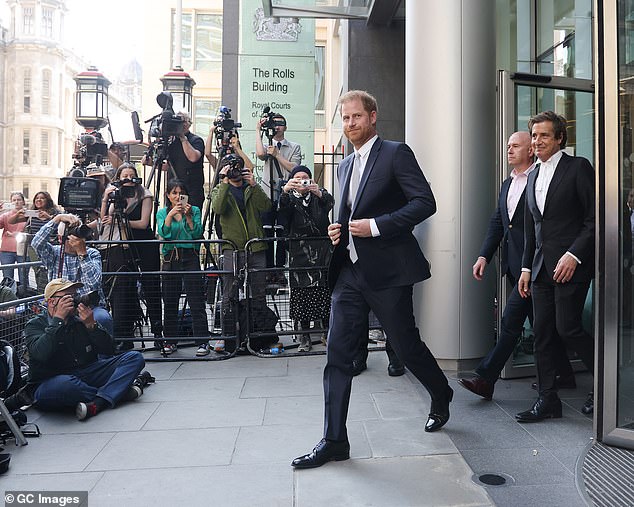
[
  {"x": 184, "y": 199},
  {"x": 31, "y": 213}
]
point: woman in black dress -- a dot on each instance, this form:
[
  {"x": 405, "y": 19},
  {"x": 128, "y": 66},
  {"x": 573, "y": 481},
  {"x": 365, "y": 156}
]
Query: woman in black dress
[{"x": 306, "y": 207}]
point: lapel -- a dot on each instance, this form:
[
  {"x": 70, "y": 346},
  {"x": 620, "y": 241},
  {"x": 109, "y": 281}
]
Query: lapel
[
  {"x": 558, "y": 176},
  {"x": 346, "y": 171},
  {"x": 529, "y": 192},
  {"x": 369, "y": 166}
]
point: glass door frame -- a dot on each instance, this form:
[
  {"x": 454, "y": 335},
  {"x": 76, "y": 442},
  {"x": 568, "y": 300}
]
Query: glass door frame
[
  {"x": 608, "y": 250},
  {"x": 506, "y": 115}
]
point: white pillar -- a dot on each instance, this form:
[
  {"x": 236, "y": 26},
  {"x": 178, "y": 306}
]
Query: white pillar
[{"x": 450, "y": 124}]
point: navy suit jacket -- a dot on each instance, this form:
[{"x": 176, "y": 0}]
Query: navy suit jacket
[
  {"x": 510, "y": 233},
  {"x": 567, "y": 223},
  {"x": 394, "y": 191}
]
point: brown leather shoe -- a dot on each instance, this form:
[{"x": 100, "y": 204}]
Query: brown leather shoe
[{"x": 479, "y": 386}]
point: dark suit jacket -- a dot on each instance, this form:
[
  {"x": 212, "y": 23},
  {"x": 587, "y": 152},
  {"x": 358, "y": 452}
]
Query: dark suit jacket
[
  {"x": 568, "y": 220},
  {"x": 393, "y": 191},
  {"x": 509, "y": 232}
]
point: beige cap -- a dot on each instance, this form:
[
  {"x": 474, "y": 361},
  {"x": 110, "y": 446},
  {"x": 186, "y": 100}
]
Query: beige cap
[{"x": 57, "y": 284}]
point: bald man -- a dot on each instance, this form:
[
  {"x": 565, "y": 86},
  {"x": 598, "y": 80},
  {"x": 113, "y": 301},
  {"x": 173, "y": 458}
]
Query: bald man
[{"x": 506, "y": 228}]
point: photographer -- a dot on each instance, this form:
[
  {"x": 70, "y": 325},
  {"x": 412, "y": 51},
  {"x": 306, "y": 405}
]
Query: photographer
[
  {"x": 79, "y": 263},
  {"x": 280, "y": 157},
  {"x": 125, "y": 215},
  {"x": 235, "y": 147},
  {"x": 185, "y": 154},
  {"x": 64, "y": 346},
  {"x": 180, "y": 221},
  {"x": 305, "y": 207},
  {"x": 239, "y": 201},
  {"x": 9, "y": 248}
]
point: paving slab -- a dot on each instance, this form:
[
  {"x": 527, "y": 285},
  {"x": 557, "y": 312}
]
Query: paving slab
[
  {"x": 193, "y": 390},
  {"x": 420, "y": 481},
  {"x": 239, "y": 366}
]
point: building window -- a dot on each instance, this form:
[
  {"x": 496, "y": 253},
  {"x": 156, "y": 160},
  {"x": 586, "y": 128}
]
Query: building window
[
  {"x": 26, "y": 143},
  {"x": 27, "y": 18},
  {"x": 44, "y": 186},
  {"x": 201, "y": 41},
  {"x": 204, "y": 114},
  {"x": 25, "y": 190},
  {"x": 27, "y": 90},
  {"x": 44, "y": 148},
  {"x": 46, "y": 91},
  {"x": 47, "y": 22}
]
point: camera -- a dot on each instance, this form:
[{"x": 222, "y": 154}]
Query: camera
[
  {"x": 166, "y": 124},
  {"x": 90, "y": 299},
  {"x": 89, "y": 148},
  {"x": 225, "y": 128},
  {"x": 272, "y": 120},
  {"x": 236, "y": 166},
  {"x": 81, "y": 231},
  {"x": 305, "y": 183},
  {"x": 122, "y": 192},
  {"x": 78, "y": 193}
]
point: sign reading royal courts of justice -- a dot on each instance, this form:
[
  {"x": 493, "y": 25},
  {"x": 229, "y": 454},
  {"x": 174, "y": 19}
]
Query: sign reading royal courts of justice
[{"x": 276, "y": 69}]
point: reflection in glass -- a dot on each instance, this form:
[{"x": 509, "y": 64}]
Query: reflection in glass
[{"x": 625, "y": 371}]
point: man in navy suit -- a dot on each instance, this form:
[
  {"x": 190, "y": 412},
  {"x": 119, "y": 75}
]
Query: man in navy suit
[
  {"x": 375, "y": 263},
  {"x": 506, "y": 228},
  {"x": 558, "y": 261}
]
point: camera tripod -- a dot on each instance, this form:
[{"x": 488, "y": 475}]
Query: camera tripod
[{"x": 160, "y": 154}]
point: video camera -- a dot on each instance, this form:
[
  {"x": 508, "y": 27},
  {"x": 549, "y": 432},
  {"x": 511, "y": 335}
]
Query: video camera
[
  {"x": 166, "y": 124},
  {"x": 78, "y": 193},
  {"x": 81, "y": 231},
  {"x": 89, "y": 148},
  {"x": 225, "y": 128},
  {"x": 122, "y": 192},
  {"x": 272, "y": 121},
  {"x": 236, "y": 166},
  {"x": 91, "y": 299}
]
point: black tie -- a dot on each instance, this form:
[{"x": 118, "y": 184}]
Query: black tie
[{"x": 279, "y": 145}]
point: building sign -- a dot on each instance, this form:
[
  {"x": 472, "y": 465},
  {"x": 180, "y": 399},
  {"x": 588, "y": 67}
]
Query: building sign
[{"x": 276, "y": 70}]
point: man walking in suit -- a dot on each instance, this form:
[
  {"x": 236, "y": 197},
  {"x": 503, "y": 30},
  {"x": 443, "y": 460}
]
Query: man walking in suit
[
  {"x": 506, "y": 227},
  {"x": 375, "y": 264},
  {"x": 558, "y": 255}
]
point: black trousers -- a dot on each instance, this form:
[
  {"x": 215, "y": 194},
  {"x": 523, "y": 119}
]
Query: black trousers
[
  {"x": 558, "y": 309},
  {"x": 352, "y": 299}
]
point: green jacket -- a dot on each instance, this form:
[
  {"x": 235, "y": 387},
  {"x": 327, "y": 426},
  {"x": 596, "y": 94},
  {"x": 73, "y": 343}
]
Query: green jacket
[
  {"x": 56, "y": 348},
  {"x": 233, "y": 225}
]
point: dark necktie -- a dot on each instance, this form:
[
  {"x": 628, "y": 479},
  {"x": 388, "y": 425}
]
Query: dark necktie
[{"x": 279, "y": 145}]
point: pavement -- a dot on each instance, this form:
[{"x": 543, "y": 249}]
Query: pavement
[{"x": 223, "y": 433}]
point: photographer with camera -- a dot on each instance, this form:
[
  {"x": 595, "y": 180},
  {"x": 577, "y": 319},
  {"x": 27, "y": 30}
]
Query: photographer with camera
[
  {"x": 74, "y": 261},
  {"x": 239, "y": 202},
  {"x": 66, "y": 346},
  {"x": 280, "y": 156},
  {"x": 125, "y": 215}
]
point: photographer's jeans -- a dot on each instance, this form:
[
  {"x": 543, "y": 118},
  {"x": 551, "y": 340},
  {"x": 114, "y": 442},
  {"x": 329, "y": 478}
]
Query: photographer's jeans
[
  {"x": 107, "y": 378},
  {"x": 104, "y": 319}
]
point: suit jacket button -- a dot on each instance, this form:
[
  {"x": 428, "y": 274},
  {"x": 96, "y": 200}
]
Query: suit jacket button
[{"x": 510, "y": 226}]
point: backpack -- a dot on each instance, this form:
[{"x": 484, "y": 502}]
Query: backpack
[{"x": 10, "y": 371}]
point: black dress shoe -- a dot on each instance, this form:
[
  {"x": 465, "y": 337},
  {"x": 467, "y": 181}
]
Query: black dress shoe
[
  {"x": 396, "y": 369},
  {"x": 479, "y": 386},
  {"x": 324, "y": 451},
  {"x": 358, "y": 366},
  {"x": 439, "y": 414},
  {"x": 567, "y": 382},
  {"x": 588, "y": 406},
  {"x": 546, "y": 407}
]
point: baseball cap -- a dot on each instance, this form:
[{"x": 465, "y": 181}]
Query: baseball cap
[{"x": 57, "y": 284}]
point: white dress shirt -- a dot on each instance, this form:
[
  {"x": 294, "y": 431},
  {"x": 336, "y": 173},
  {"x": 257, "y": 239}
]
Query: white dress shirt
[
  {"x": 545, "y": 176},
  {"x": 517, "y": 186},
  {"x": 364, "y": 153}
]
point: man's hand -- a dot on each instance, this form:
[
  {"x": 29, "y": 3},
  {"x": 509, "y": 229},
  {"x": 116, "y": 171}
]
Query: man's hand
[
  {"x": 77, "y": 244},
  {"x": 273, "y": 151},
  {"x": 86, "y": 316},
  {"x": 479, "y": 267},
  {"x": 334, "y": 233},
  {"x": 67, "y": 218},
  {"x": 360, "y": 228},
  {"x": 565, "y": 268},
  {"x": 248, "y": 177},
  {"x": 523, "y": 286},
  {"x": 64, "y": 307}
]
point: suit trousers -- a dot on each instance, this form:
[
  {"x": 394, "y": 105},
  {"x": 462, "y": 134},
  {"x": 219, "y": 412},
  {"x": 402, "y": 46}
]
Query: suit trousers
[
  {"x": 352, "y": 299},
  {"x": 516, "y": 311},
  {"x": 558, "y": 309}
]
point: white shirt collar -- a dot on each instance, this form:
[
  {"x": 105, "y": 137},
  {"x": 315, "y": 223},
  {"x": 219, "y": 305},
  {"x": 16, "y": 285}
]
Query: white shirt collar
[
  {"x": 554, "y": 160},
  {"x": 515, "y": 173},
  {"x": 367, "y": 146}
]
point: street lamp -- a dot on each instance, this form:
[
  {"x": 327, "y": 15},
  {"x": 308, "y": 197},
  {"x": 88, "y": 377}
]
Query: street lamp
[
  {"x": 91, "y": 99},
  {"x": 179, "y": 83}
]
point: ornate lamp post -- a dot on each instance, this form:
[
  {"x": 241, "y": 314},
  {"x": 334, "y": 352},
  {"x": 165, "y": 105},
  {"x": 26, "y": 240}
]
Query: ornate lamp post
[
  {"x": 91, "y": 99},
  {"x": 180, "y": 84}
]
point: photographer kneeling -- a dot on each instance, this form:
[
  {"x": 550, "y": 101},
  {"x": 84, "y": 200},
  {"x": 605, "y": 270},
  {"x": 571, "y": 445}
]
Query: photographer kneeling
[
  {"x": 125, "y": 214},
  {"x": 239, "y": 201},
  {"x": 64, "y": 346},
  {"x": 79, "y": 263}
]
